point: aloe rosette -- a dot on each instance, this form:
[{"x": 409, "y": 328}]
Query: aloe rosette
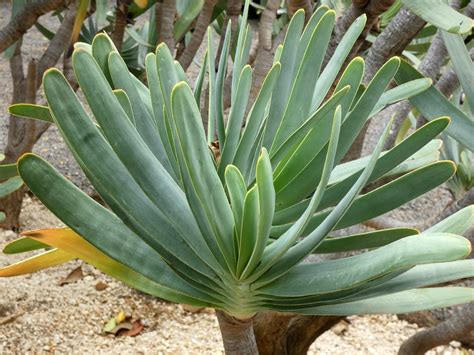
[{"x": 231, "y": 230}]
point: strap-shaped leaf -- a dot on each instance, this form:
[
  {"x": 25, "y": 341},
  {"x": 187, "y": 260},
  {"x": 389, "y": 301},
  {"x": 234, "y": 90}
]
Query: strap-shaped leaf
[
  {"x": 462, "y": 63},
  {"x": 120, "y": 190},
  {"x": 102, "y": 46},
  {"x": 237, "y": 190},
  {"x": 8, "y": 171},
  {"x": 204, "y": 190},
  {"x": 392, "y": 195},
  {"x": 309, "y": 29},
  {"x": 457, "y": 223},
  {"x": 326, "y": 277},
  {"x": 35, "y": 112},
  {"x": 9, "y": 186},
  {"x": 432, "y": 104},
  {"x": 36, "y": 263},
  {"x": 212, "y": 113},
  {"x": 236, "y": 119},
  {"x": 256, "y": 118},
  {"x": 220, "y": 80},
  {"x": 285, "y": 242},
  {"x": 440, "y": 14},
  {"x": 124, "y": 101},
  {"x": 423, "y": 276},
  {"x": 297, "y": 252},
  {"x": 168, "y": 78},
  {"x": 426, "y": 155},
  {"x": 65, "y": 240},
  {"x": 97, "y": 225},
  {"x": 285, "y": 80},
  {"x": 266, "y": 206},
  {"x": 402, "y": 92},
  {"x": 336, "y": 62},
  {"x": 402, "y": 302},
  {"x": 22, "y": 245},
  {"x": 248, "y": 229},
  {"x": 239, "y": 58},
  {"x": 158, "y": 105},
  {"x": 385, "y": 164},
  {"x": 352, "y": 77},
  {"x": 345, "y": 295},
  {"x": 299, "y": 101},
  {"x": 200, "y": 79},
  {"x": 144, "y": 122},
  {"x": 361, "y": 111},
  {"x": 368, "y": 240}
]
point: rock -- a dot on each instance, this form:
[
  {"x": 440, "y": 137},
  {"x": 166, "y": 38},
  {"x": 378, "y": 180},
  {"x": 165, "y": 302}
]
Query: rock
[{"x": 340, "y": 327}]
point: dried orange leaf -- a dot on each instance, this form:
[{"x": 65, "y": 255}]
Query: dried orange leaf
[
  {"x": 137, "y": 328},
  {"x": 74, "y": 275}
]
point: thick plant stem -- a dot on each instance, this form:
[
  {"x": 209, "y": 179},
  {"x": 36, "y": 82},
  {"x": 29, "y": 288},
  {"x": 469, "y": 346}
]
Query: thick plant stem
[
  {"x": 202, "y": 22},
  {"x": 15, "y": 29},
  {"x": 20, "y": 133},
  {"x": 120, "y": 23},
  {"x": 285, "y": 333},
  {"x": 456, "y": 327},
  {"x": 237, "y": 334},
  {"x": 372, "y": 9},
  {"x": 263, "y": 60},
  {"x": 306, "y": 5},
  {"x": 430, "y": 67},
  {"x": 392, "y": 41},
  {"x": 232, "y": 13},
  {"x": 168, "y": 13},
  {"x": 24, "y": 133}
]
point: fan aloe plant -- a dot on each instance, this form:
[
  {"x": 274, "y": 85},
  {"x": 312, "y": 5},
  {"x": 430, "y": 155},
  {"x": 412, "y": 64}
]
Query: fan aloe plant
[{"x": 229, "y": 227}]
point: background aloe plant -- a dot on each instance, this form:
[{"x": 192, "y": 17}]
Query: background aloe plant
[{"x": 229, "y": 228}]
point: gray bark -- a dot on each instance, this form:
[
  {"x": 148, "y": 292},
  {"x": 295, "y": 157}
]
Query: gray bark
[
  {"x": 392, "y": 41},
  {"x": 121, "y": 12},
  {"x": 199, "y": 32},
  {"x": 459, "y": 325},
  {"x": 237, "y": 335},
  {"x": 24, "y": 133},
  {"x": 168, "y": 13},
  {"x": 306, "y": 5},
  {"x": 232, "y": 13},
  {"x": 285, "y": 334},
  {"x": 22, "y": 22},
  {"x": 266, "y": 47},
  {"x": 430, "y": 67},
  {"x": 372, "y": 9}
]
